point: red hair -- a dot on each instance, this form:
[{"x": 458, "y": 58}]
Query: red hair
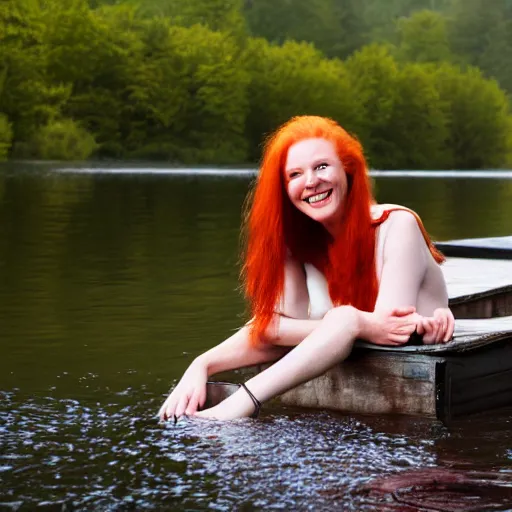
[{"x": 274, "y": 227}]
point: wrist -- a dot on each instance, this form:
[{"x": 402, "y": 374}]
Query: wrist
[
  {"x": 365, "y": 325},
  {"x": 202, "y": 363}
]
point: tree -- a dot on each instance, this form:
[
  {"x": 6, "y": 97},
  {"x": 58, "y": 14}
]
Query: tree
[
  {"x": 217, "y": 15},
  {"x": 63, "y": 139},
  {"x": 188, "y": 96},
  {"x": 95, "y": 52},
  {"x": 417, "y": 125},
  {"x": 373, "y": 74},
  {"x": 27, "y": 95},
  {"x": 481, "y": 33},
  {"x": 5, "y": 136},
  {"x": 293, "y": 19},
  {"x": 478, "y": 118},
  {"x": 291, "y": 80},
  {"x": 423, "y": 37}
]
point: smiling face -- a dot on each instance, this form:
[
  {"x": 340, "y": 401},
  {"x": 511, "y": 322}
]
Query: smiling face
[{"x": 316, "y": 182}]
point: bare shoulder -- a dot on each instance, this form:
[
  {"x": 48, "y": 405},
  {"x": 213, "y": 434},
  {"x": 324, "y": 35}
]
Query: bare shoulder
[
  {"x": 402, "y": 231},
  {"x": 403, "y": 219},
  {"x": 398, "y": 217}
]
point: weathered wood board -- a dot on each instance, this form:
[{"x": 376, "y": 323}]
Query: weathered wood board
[
  {"x": 472, "y": 373},
  {"x": 479, "y": 288},
  {"x": 495, "y": 248}
]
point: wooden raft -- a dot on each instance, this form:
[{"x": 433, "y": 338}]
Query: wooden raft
[
  {"x": 479, "y": 288},
  {"x": 472, "y": 373}
]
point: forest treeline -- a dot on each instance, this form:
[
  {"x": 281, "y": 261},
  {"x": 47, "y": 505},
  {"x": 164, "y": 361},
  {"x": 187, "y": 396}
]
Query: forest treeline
[{"x": 422, "y": 83}]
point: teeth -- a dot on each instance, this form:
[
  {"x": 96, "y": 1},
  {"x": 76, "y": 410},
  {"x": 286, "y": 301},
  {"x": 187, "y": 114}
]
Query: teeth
[{"x": 318, "y": 197}]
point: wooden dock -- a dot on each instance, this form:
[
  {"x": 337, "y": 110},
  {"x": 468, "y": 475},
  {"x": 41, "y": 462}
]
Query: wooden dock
[
  {"x": 495, "y": 248},
  {"x": 479, "y": 288},
  {"x": 472, "y": 373}
]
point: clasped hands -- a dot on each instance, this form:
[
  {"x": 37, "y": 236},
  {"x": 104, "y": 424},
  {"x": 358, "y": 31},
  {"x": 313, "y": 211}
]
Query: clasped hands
[{"x": 395, "y": 327}]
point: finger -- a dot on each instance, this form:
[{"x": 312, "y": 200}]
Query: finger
[
  {"x": 202, "y": 397},
  {"x": 428, "y": 325},
  {"x": 433, "y": 331},
  {"x": 440, "y": 315},
  {"x": 403, "y": 311},
  {"x": 449, "y": 330},
  {"x": 171, "y": 407},
  {"x": 441, "y": 330},
  {"x": 163, "y": 410},
  {"x": 192, "y": 404},
  {"x": 437, "y": 334},
  {"x": 400, "y": 339},
  {"x": 182, "y": 404}
]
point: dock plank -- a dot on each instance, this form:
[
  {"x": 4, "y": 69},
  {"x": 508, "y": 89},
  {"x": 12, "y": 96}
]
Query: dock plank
[
  {"x": 479, "y": 288},
  {"x": 492, "y": 247}
]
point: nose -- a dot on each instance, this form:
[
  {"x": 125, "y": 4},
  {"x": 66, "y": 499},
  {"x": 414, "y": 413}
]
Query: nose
[{"x": 311, "y": 178}]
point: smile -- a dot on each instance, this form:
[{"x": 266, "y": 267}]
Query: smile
[{"x": 318, "y": 197}]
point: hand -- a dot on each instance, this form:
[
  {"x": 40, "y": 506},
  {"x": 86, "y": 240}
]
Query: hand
[
  {"x": 438, "y": 328},
  {"x": 188, "y": 395},
  {"x": 392, "y": 327}
]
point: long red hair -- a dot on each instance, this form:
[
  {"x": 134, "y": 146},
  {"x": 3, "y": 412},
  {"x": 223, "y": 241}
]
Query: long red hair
[{"x": 274, "y": 226}]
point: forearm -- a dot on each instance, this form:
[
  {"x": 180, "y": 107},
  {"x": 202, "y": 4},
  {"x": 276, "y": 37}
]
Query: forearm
[
  {"x": 329, "y": 343},
  {"x": 236, "y": 352},
  {"x": 239, "y": 351},
  {"x": 289, "y": 332}
]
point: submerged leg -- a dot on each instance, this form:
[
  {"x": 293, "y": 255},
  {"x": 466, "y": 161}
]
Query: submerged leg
[{"x": 329, "y": 343}]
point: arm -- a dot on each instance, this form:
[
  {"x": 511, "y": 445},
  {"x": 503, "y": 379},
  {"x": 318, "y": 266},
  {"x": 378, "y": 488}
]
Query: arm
[
  {"x": 404, "y": 263},
  {"x": 405, "y": 260},
  {"x": 238, "y": 350}
]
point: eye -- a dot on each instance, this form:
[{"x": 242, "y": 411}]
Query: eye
[
  {"x": 293, "y": 174},
  {"x": 321, "y": 166}
]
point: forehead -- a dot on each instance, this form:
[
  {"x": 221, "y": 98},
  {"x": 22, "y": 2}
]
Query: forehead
[{"x": 308, "y": 150}]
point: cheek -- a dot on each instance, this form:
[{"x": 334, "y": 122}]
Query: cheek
[{"x": 294, "y": 190}]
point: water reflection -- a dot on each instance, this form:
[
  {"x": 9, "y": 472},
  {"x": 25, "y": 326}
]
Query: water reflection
[{"x": 111, "y": 284}]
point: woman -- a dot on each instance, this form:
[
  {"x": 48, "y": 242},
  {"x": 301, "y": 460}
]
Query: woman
[{"x": 324, "y": 265}]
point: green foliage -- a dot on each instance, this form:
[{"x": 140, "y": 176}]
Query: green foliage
[
  {"x": 403, "y": 120},
  {"x": 181, "y": 80},
  {"x": 191, "y": 93},
  {"x": 481, "y": 33},
  {"x": 217, "y": 15},
  {"x": 423, "y": 38},
  {"x": 27, "y": 95},
  {"x": 293, "y": 20},
  {"x": 373, "y": 75},
  {"x": 5, "y": 136},
  {"x": 417, "y": 125},
  {"x": 96, "y": 52},
  {"x": 62, "y": 139},
  {"x": 294, "y": 79},
  {"x": 478, "y": 118}
]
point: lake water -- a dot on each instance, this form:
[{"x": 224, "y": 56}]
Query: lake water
[{"x": 110, "y": 284}]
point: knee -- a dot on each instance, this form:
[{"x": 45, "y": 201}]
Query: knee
[{"x": 345, "y": 318}]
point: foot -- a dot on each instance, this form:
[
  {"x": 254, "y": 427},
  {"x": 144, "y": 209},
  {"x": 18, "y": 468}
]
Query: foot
[{"x": 238, "y": 405}]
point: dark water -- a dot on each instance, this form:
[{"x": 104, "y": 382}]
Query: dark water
[{"x": 111, "y": 284}]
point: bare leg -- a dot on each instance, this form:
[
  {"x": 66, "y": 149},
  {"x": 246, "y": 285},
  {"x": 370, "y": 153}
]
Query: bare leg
[{"x": 329, "y": 343}]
